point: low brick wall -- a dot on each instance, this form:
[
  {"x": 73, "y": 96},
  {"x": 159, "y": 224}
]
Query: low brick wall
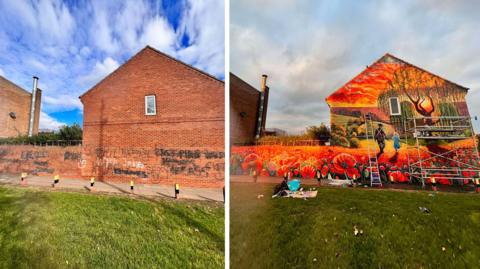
[
  {"x": 197, "y": 167},
  {"x": 194, "y": 167},
  {"x": 41, "y": 160}
]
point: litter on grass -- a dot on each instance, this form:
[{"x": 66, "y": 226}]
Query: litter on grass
[{"x": 424, "y": 209}]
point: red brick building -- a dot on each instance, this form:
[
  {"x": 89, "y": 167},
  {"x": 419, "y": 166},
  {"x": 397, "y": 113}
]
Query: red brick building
[
  {"x": 155, "y": 120},
  {"x": 15, "y": 109},
  {"x": 248, "y": 110}
]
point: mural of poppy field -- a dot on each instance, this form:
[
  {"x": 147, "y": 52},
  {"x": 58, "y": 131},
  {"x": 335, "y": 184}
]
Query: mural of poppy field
[{"x": 333, "y": 162}]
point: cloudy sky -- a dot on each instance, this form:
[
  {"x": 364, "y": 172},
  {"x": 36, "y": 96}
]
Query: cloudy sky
[
  {"x": 71, "y": 45},
  {"x": 311, "y": 48}
]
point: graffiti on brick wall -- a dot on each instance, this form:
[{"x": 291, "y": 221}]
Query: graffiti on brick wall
[
  {"x": 39, "y": 160},
  {"x": 142, "y": 163},
  {"x": 69, "y": 155},
  {"x": 154, "y": 163}
]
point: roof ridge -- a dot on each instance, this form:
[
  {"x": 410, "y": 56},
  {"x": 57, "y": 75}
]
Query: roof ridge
[
  {"x": 398, "y": 59},
  {"x": 232, "y": 74},
  {"x": 424, "y": 70},
  {"x": 158, "y": 52},
  {"x": 184, "y": 63}
]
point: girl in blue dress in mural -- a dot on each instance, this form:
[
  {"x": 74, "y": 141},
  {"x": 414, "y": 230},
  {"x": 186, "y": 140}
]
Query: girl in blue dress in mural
[{"x": 396, "y": 141}]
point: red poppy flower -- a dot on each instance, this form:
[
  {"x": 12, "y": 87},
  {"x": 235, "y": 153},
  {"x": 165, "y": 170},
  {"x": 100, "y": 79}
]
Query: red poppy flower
[
  {"x": 397, "y": 176},
  {"x": 344, "y": 163},
  {"x": 282, "y": 170},
  {"x": 308, "y": 171},
  {"x": 324, "y": 171},
  {"x": 468, "y": 173},
  {"x": 252, "y": 161}
]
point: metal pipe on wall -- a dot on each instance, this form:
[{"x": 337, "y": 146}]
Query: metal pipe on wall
[{"x": 32, "y": 108}]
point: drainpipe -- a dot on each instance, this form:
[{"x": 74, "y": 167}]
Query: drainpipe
[{"x": 32, "y": 108}]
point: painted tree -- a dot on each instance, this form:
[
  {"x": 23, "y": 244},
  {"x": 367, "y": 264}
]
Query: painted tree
[{"x": 419, "y": 87}]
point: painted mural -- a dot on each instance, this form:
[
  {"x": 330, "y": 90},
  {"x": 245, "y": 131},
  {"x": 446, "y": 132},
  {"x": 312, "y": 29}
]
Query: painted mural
[
  {"x": 363, "y": 120},
  {"x": 322, "y": 162},
  {"x": 420, "y": 94}
]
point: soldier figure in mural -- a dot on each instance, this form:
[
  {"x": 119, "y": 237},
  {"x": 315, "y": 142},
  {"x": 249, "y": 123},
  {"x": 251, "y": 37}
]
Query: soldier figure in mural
[{"x": 380, "y": 138}]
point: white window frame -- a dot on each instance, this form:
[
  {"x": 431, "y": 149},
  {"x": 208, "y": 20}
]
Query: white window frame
[
  {"x": 390, "y": 106},
  {"x": 154, "y": 105}
]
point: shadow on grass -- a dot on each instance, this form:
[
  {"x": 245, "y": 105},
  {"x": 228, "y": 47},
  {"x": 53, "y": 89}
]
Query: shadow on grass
[
  {"x": 19, "y": 211},
  {"x": 181, "y": 214}
]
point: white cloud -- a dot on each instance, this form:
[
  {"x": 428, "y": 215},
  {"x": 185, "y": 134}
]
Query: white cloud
[
  {"x": 99, "y": 71},
  {"x": 101, "y": 33},
  {"x": 85, "y": 51},
  {"x": 159, "y": 34},
  {"x": 313, "y": 47},
  {"x": 48, "y": 122},
  {"x": 2, "y": 73},
  {"x": 70, "y": 47},
  {"x": 204, "y": 22},
  {"x": 62, "y": 102}
]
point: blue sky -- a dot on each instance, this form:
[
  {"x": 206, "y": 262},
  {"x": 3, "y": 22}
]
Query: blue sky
[
  {"x": 309, "y": 48},
  {"x": 71, "y": 45}
]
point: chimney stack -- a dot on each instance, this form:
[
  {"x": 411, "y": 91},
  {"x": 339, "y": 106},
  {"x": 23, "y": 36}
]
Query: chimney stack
[
  {"x": 32, "y": 107},
  {"x": 262, "y": 109},
  {"x": 264, "y": 82}
]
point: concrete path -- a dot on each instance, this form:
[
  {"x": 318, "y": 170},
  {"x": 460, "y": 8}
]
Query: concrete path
[{"x": 152, "y": 190}]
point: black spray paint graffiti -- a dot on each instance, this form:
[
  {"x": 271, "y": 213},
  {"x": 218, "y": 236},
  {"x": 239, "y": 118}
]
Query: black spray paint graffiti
[
  {"x": 74, "y": 156},
  {"x": 140, "y": 174},
  {"x": 31, "y": 155},
  {"x": 153, "y": 163},
  {"x": 188, "y": 162}
]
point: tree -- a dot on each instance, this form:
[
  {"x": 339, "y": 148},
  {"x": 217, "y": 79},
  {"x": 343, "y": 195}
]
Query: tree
[
  {"x": 69, "y": 133},
  {"x": 418, "y": 86},
  {"x": 338, "y": 136},
  {"x": 321, "y": 132}
]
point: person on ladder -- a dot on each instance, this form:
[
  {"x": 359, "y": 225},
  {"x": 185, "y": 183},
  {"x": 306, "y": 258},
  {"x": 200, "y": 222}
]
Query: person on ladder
[{"x": 380, "y": 138}]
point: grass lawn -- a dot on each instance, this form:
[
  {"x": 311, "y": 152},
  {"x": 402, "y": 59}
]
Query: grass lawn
[
  {"x": 319, "y": 233},
  {"x": 44, "y": 229}
]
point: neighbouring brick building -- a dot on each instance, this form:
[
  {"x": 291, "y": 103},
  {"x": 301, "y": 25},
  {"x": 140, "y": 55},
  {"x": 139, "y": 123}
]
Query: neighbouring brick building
[
  {"x": 15, "y": 109},
  {"x": 155, "y": 120},
  {"x": 248, "y": 112}
]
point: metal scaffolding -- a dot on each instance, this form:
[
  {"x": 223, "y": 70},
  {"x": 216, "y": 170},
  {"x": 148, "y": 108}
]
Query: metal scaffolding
[{"x": 459, "y": 163}]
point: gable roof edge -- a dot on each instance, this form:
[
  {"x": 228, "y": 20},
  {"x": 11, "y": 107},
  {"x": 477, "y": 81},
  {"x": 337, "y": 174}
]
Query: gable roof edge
[
  {"x": 160, "y": 53},
  {"x": 16, "y": 86}
]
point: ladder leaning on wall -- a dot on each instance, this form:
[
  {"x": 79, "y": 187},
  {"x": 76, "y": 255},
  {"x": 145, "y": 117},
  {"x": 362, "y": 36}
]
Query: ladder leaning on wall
[{"x": 372, "y": 153}]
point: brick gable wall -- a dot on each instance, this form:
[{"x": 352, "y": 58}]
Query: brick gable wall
[{"x": 189, "y": 123}]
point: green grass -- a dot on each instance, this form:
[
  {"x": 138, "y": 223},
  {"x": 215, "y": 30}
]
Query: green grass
[
  {"x": 43, "y": 229},
  {"x": 319, "y": 233}
]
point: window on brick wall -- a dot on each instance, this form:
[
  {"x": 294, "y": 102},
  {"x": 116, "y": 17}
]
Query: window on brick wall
[{"x": 150, "y": 105}]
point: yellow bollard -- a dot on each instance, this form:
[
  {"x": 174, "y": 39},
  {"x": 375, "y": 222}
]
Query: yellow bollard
[
  {"x": 56, "y": 180},
  {"x": 177, "y": 190},
  {"x": 23, "y": 178},
  {"x": 131, "y": 185},
  {"x": 92, "y": 181},
  {"x": 476, "y": 182}
]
